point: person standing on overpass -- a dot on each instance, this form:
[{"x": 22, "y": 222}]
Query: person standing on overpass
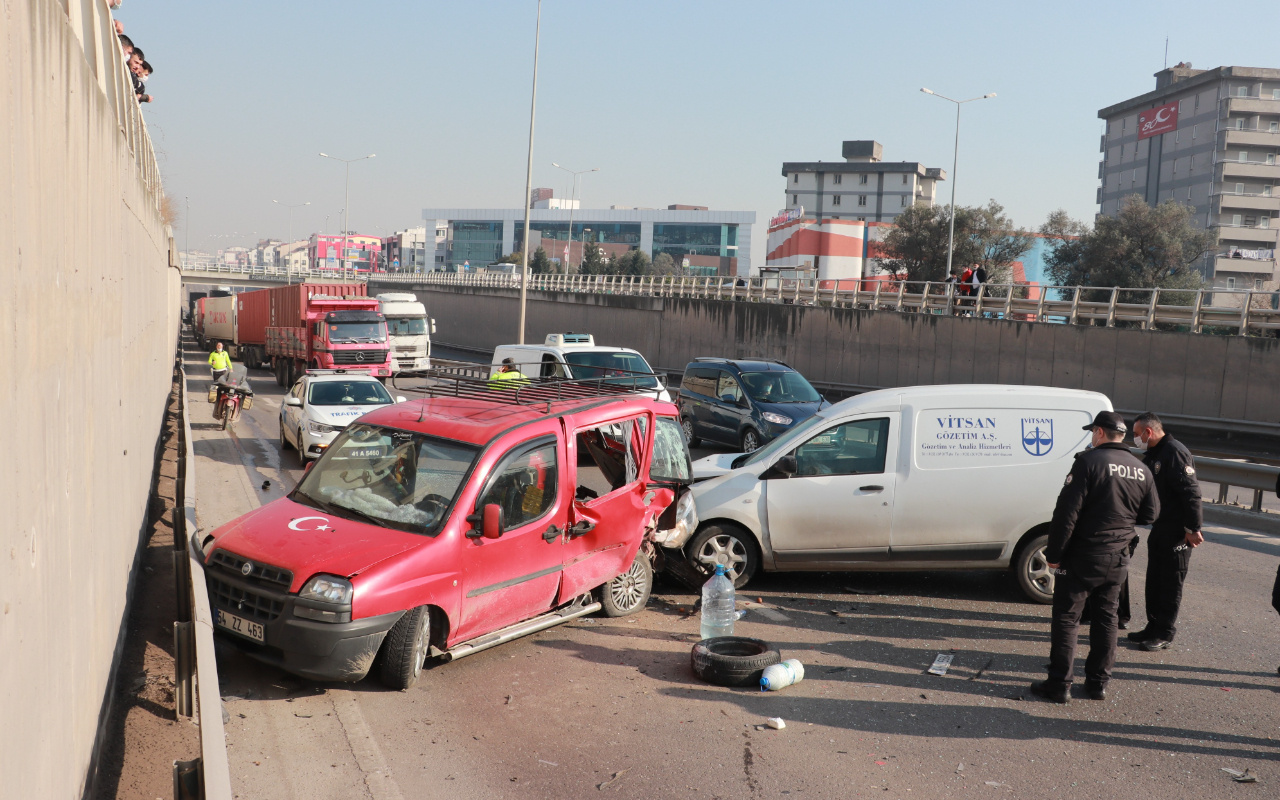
[
  {"x": 1174, "y": 534},
  {"x": 219, "y": 362},
  {"x": 1107, "y": 492}
]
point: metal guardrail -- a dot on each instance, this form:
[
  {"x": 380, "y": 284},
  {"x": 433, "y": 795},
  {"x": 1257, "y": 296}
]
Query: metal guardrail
[
  {"x": 213, "y": 272},
  {"x": 1258, "y": 477},
  {"x": 209, "y": 776},
  {"x": 1242, "y": 311}
]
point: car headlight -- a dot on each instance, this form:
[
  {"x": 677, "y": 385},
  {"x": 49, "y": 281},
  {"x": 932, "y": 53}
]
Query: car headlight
[
  {"x": 776, "y": 419},
  {"x": 687, "y": 512},
  {"x": 328, "y": 589},
  {"x": 320, "y": 427}
]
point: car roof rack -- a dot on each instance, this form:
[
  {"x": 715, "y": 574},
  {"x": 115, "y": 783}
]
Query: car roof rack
[{"x": 474, "y": 383}]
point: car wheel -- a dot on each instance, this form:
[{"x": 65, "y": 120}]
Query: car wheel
[
  {"x": 302, "y": 447},
  {"x": 1032, "y": 570},
  {"x": 750, "y": 441},
  {"x": 404, "y": 651},
  {"x": 728, "y": 545},
  {"x": 686, "y": 425},
  {"x": 732, "y": 660},
  {"x": 629, "y": 592},
  {"x": 284, "y": 440}
]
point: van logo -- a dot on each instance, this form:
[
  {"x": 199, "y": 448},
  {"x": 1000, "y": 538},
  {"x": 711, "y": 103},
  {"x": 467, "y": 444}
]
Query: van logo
[
  {"x": 246, "y": 569},
  {"x": 1037, "y": 436}
]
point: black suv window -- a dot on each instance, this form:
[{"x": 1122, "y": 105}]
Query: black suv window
[
  {"x": 727, "y": 389},
  {"x": 700, "y": 380}
]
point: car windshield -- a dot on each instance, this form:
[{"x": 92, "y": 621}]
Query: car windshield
[
  {"x": 397, "y": 479},
  {"x": 406, "y": 326},
  {"x": 779, "y": 387},
  {"x": 357, "y": 332},
  {"x": 346, "y": 393},
  {"x": 780, "y": 445},
  {"x": 616, "y": 366}
]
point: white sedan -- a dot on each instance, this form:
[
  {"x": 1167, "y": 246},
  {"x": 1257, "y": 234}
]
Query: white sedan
[{"x": 324, "y": 402}]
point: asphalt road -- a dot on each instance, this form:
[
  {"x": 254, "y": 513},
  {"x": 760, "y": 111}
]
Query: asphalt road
[{"x": 603, "y": 707}]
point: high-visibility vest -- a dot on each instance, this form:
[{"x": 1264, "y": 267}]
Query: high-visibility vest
[
  {"x": 219, "y": 359},
  {"x": 502, "y": 380}
]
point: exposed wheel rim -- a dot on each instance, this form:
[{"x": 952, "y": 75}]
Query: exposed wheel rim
[
  {"x": 687, "y": 427},
  {"x": 420, "y": 644},
  {"x": 1038, "y": 573},
  {"x": 724, "y": 549},
  {"x": 627, "y": 590},
  {"x": 750, "y": 442}
]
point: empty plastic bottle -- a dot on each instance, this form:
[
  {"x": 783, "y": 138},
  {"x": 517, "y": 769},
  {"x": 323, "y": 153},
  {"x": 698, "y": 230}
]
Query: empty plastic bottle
[
  {"x": 718, "y": 611},
  {"x": 780, "y": 676}
]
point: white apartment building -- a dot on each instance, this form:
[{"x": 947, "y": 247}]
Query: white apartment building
[{"x": 863, "y": 187}]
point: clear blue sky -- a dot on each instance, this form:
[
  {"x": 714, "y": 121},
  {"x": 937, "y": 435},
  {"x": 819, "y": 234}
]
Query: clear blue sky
[{"x": 694, "y": 101}]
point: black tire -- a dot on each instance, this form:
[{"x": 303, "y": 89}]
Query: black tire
[
  {"x": 226, "y": 415},
  {"x": 1031, "y": 569},
  {"x": 404, "y": 650},
  {"x": 686, "y": 425},
  {"x": 732, "y": 660},
  {"x": 629, "y": 592},
  {"x": 278, "y": 368},
  {"x": 750, "y": 440},
  {"x": 284, "y": 440},
  {"x": 723, "y": 543}
]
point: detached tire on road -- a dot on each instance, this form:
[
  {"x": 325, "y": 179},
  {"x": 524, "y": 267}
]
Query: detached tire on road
[
  {"x": 1031, "y": 568},
  {"x": 732, "y": 660},
  {"x": 404, "y": 651}
]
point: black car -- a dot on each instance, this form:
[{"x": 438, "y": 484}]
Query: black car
[{"x": 743, "y": 403}]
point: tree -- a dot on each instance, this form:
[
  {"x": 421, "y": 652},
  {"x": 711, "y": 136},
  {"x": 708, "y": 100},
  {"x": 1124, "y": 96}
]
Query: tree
[
  {"x": 512, "y": 258},
  {"x": 1142, "y": 248},
  {"x": 540, "y": 264},
  {"x": 632, "y": 262},
  {"x": 916, "y": 247},
  {"x": 592, "y": 260},
  {"x": 664, "y": 264}
]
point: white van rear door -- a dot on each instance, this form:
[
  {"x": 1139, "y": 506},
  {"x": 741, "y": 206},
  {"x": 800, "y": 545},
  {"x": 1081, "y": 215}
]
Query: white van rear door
[{"x": 838, "y": 506}]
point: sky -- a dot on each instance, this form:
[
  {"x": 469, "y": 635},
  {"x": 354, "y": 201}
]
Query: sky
[{"x": 695, "y": 101}]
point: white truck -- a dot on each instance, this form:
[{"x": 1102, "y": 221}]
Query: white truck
[
  {"x": 577, "y": 356},
  {"x": 409, "y": 330}
]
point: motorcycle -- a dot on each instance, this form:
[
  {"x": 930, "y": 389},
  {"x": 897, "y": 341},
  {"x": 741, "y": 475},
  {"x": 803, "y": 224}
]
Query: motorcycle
[{"x": 231, "y": 395}]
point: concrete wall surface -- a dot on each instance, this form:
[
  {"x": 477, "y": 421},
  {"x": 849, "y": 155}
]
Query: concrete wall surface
[
  {"x": 1228, "y": 377},
  {"x": 88, "y": 324}
]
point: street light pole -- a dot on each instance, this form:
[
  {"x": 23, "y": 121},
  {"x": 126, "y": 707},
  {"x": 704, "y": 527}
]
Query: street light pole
[
  {"x": 346, "y": 202},
  {"x": 187, "y": 245},
  {"x": 528, "y": 181},
  {"x": 573, "y": 193},
  {"x": 955, "y": 159}
]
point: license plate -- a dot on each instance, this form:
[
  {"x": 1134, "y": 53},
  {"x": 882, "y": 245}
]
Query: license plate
[{"x": 239, "y": 625}]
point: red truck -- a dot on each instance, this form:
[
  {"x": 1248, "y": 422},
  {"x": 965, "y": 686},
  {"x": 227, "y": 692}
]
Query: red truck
[{"x": 289, "y": 329}]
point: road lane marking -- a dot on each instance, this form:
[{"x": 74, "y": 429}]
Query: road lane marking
[{"x": 369, "y": 757}]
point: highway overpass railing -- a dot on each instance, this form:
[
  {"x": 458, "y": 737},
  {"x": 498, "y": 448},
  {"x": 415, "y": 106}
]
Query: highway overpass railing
[{"x": 1197, "y": 310}]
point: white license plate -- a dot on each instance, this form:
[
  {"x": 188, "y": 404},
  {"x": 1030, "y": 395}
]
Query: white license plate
[{"x": 240, "y": 625}]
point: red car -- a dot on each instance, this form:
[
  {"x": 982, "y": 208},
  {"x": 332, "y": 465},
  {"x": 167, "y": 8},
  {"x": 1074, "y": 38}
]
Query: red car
[{"x": 444, "y": 526}]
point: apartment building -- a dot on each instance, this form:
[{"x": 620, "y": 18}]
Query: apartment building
[
  {"x": 1207, "y": 138},
  {"x": 863, "y": 187}
]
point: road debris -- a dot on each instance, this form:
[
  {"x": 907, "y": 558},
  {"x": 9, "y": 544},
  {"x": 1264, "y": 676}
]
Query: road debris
[
  {"x": 941, "y": 664},
  {"x": 983, "y": 669},
  {"x": 1241, "y": 777},
  {"x": 548, "y": 763},
  {"x": 776, "y": 723},
  {"x": 614, "y": 779},
  {"x": 852, "y": 590}
]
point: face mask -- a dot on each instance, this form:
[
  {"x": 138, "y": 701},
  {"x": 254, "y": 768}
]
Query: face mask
[{"x": 1140, "y": 442}]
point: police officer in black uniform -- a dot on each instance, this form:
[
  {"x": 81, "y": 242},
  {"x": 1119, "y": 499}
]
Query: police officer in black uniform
[
  {"x": 1175, "y": 532},
  {"x": 1106, "y": 493}
]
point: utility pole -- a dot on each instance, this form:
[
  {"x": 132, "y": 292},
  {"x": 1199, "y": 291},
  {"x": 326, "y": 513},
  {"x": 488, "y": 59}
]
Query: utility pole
[{"x": 528, "y": 182}]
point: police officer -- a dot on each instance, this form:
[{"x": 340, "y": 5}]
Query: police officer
[
  {"x": 1175, "y": 532},
  {"x": 1106, "y": 493}
]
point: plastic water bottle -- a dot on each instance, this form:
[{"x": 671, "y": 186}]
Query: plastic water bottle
[
  {"x": 780, "y": 676},
  {"x": 718, "y": 611}
]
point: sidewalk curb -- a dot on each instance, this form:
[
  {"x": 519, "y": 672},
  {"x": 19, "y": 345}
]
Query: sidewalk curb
[{"x": 1237, "y": 517}]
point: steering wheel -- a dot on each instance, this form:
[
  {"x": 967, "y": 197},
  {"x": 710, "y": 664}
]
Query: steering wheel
[
  {"x": 434, "y": 505},
  {"x": 364, "y": 475}
]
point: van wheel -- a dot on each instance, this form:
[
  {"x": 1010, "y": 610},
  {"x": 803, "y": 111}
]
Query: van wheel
[
  {"x": 1032, "y": 570},
  {"x": 750, "y": 441},
  {"x": 686, "y": 425},
  {"x": 405, "y": 649},
  {"x": 629, "y": 592},
  {"x": 728, "y": 545}
]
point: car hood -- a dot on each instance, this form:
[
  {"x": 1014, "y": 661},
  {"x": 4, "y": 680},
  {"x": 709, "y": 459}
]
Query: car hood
[
  {"x": 308, "y": 541},
  {"x": 341, "y": 416},
  {"x": 713, "y": 466},
  {"x": 798, "y": 412}
]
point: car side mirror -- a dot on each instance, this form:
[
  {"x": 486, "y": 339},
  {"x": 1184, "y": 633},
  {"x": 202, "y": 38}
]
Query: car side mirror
[
  {"x": 433, "y": 326},
  {"x": 492, "y": 521},
  {"x": 728, "y": 398},
  {"x": 293, "y": 401},
  {"x": 784, "y": 467},
  {"x": 310, "y": 464},
  {"x": 401, "y": 399}
]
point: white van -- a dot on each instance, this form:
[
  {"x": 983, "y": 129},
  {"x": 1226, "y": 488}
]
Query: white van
[
  {"x": 918, "y": 478},
  {"x": 576, "y": 355}
]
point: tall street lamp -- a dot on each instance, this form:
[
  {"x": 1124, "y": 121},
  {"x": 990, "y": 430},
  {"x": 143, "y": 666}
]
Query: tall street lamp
[
  {"x": 573, "y": 194},
  {"x": 287, "y": 271},
  {"x": 187, "y": 245},
  {"x": 528, "y": 180},
  {"x": 346, "y": 202},
  {"x": 951, "y": 236}
]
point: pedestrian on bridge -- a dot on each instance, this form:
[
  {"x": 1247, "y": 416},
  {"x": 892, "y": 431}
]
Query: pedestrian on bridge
[
  {"x": 1107, "y": 492},
  {"x": 219, "y": 362},
  {"x": 1175, "y": 533}
]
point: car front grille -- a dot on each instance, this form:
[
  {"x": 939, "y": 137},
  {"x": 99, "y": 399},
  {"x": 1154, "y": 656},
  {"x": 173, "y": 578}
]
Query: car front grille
[
  {"x": 260, "y": 573},
  {"x": 367, "y": 357},
  {"x": 259, "y": 596}
]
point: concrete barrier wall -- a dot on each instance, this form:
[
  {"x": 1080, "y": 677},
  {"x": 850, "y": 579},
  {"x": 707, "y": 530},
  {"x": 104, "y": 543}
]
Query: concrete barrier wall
[
  {"x": 88, "y": 323},
  {"x": 1231, "y": 377}
]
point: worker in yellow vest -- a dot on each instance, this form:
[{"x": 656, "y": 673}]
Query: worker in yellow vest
[
  {"x": 219, "y": 362},
  {"x": 508, "y": 377}
]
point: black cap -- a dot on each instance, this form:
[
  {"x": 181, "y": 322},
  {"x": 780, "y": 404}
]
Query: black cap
[
  {"x": 1108, "y": 420},
  {"x": 510, "y": 362}
]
